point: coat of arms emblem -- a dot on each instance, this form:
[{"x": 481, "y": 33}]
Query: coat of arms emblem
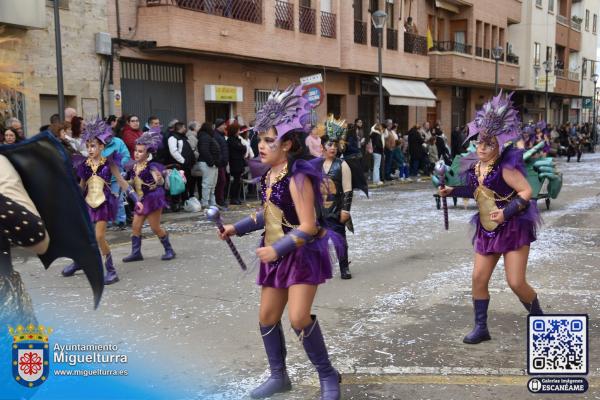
[{"x": 30, "y": 354}]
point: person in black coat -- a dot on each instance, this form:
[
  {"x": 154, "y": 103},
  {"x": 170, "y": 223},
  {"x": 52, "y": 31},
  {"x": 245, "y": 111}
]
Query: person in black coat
[
  {"x": 209, "y": 155},
  {"x": 415, "y": 150},
  {"x": 237, "y": 151},
  {"x": 219, "y": 135}
]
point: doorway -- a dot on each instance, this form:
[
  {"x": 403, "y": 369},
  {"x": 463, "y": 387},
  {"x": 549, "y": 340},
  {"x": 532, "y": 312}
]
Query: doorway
[{"x": 216, "y": 110}]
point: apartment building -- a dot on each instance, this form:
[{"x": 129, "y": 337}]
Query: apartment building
[
  {"x": 217, "y": 58},
  {"x": 559, "y": 52},
  {"x": 462, "y": 67},
  {"x": 33, "y": 57}
]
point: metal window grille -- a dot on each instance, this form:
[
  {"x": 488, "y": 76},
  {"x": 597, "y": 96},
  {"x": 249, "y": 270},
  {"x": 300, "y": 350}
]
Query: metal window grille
[
  {"x": 360, "y": 32},
  {"x": 260, "y": 98},
  {"x": 307, "y": 20},
  {"x": 284, "y": 15},
  {"x": 328, "y": 24},
  {"x": 242, "y": 10}
]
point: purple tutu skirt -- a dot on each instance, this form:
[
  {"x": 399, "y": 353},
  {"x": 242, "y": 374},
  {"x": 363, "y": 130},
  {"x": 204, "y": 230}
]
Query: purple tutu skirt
[
  {"x": 310, "y": 264},
  {"x": 106, "y": 211},
  {"x": 511, "y": 235},
  {"x": 154, "y": 200}
]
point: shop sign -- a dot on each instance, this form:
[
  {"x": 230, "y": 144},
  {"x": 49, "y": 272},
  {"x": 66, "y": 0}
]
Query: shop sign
[
  {"x": 223, "y": 93},
  {"x": 312, "y": 79},
  {"x": 314, "y": 94}
]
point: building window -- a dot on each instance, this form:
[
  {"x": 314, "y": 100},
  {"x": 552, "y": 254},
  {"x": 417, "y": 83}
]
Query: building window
[
  {"x": 536, "y": 54},
  {"x": 551, "y": 6},
  {"x": 260, "y": 98},
  {"x": 538, "y": 3},
  {"x": 587, "y": 20},
  {"x": 549, "y": 53},
  {"x": 584, "y": 69},
  {"x": 594, "y": 23}
]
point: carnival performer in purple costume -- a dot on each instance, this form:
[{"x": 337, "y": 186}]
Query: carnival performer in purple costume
[
  {"x": 294, "y": 257},
  {"x": 146, "y": 176},
  {"x": 95, "y": 174},
  {"x": 507, "y": 220}
]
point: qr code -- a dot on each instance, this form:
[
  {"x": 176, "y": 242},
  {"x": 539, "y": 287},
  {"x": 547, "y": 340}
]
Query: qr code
[{"x": 557, "y": 344}]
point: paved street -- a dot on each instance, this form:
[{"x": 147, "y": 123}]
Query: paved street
[{"x": 395, "y": 330}]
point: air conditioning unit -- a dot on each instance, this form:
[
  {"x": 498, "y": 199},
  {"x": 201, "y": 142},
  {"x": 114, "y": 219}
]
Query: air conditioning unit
[{"x": 103, "y": 43}]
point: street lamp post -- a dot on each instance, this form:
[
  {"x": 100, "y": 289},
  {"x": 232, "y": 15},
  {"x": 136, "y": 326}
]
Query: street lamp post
[
  {"x": 547, "y": 69},
  {"x": 378, "y": 18},
  {"x": 59, "y": 65},
  {"x": 497, "y": 55},
  {"x": 594, "y": 132}
]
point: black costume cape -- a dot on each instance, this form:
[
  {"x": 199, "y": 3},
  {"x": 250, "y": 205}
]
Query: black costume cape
[{"x": 47, "y": 175}]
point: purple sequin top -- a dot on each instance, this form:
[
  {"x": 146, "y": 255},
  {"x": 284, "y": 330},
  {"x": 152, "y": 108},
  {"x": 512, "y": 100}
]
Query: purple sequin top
[
  {"x": 282, "y": 198},
  {"x": 85, "y": 172},
  {"x": 146, "y": 176}
]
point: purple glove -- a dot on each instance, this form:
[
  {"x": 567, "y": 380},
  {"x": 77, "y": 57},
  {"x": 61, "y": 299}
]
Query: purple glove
[
  {"x": 293, "y": 239},
  {"x": 132, "y": 195},
  {"x": 517, "y": 205},
  {"x": 250, "y": 224}
]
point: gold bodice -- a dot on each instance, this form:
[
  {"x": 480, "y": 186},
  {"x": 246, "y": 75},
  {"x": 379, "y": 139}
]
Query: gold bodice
[{"x": 95, "y": 185}]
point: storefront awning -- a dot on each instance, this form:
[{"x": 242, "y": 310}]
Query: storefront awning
[{"x": 409, "y": 93}]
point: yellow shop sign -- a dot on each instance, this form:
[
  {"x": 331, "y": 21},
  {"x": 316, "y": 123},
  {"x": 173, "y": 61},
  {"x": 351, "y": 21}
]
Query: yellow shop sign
[{"x": 224, "y": 93}]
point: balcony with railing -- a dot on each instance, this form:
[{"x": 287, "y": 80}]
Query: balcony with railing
[
  {"x": 284, "y": 15},
  {"x": 242, "y": 10},
  {"x": 478, "y": 51},
  {"x": 360, "y": 32},
  {"x": 307, "y": 20},
  {"x": 487, "y": 53},
  {"x": 415, "y": 44},
  {"x": 512, "y": 59},
  {"x": 249, "y": 23},
  {"x": 452, "y": 46},
  {"x": 392, "y": 39},
  {"x": 561, "y": 19},
  {"x": 328, "y": 28},
  {"x": 576, "y": 25}
]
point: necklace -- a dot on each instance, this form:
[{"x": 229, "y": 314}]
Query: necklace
[
  {"x": 272, "y": 181},
  {"x": 488, "y": 168},
  {"x": 93, "y": 166},
  {"x": 139, "y": 167}
]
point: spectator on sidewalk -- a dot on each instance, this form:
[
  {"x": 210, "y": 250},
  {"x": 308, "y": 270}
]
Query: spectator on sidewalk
[
  {"x": 182, "y": 158},
  {"x": 377, "y": 143},
  {"x": 192, "y": 138},
  {"x": 237, "y": 164},
  {"x": 416, "y": 150},
  {"x": 131, "y": 132},
  {"x": 220, "y": 190},
  {"x": 209, "y": 154}
]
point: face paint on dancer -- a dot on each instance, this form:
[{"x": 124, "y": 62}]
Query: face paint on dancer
[
  {"x": 141, "y": 153},
  {"x": 487, "y": 149},
  {"x": 270, "y": 150},
  {"x": 94, "y": 148},
  {"x": 330, "y": 150}
]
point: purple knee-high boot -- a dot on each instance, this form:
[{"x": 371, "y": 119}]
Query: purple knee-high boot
[
  {"x": 70, "y": 269},
  {"x": 279, "y": 380},
  {"x": 136, "y": 250},
  {"x": 533, "y": 308},
  {"x": 169, "y": 253},
  {"x": 314, "y": 345},
  {"x": 480, "y": 331},
  {"x": 111, "y": 273}
]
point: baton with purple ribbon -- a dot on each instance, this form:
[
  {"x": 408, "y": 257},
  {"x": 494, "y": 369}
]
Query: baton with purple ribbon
[
  {"x": 214, "y": 215},
  {"x": 440, "y": 171}
]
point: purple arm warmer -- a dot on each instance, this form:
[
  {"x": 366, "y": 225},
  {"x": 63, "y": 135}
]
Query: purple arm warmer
[
  {"x": 132, "y": 194},
  {"x": 250, "y": 224},
  {"x": 295, "y": 238},
  {"x": 514, "y": 207}
]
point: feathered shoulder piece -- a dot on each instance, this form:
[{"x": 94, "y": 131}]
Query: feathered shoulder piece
[
  {"x": 286, "y": 111},
  {"x": 152, "y": 139},
  {"x": 497, "y": 119},
  {"x": 97, "y": 129}
]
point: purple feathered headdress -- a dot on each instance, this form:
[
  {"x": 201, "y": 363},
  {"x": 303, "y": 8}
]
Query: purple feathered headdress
[
  {"x": 286, "y": 111},
  {"x": 152, "y": 139},
  {"x": 97, "y": 129},
  {"x": 497, "y": 119}
]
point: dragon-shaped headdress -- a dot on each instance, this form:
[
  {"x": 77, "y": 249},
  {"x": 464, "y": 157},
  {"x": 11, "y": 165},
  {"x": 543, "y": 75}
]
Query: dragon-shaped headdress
[
  {"x": 97, "y": 129},
  {"x": 152, "y": 139},
  {"x": 497, "y": 119},
  {"x": 285, "y": 111}
]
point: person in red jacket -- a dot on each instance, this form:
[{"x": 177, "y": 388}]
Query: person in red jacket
[{"x": 131, "y": 132}]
